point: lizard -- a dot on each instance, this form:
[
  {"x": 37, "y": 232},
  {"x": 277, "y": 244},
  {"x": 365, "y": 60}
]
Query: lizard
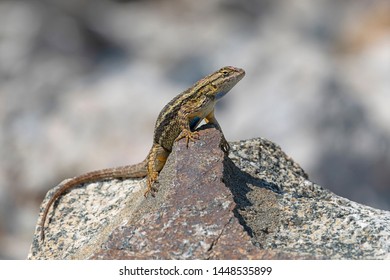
[{"x": 177, "y": 120}]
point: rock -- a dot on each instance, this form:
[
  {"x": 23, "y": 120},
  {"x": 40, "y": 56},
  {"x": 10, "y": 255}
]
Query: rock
[{"x": 255, "y": 204}]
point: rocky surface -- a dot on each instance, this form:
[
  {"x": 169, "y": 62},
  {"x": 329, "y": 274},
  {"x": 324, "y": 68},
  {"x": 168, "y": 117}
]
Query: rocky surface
[
  {"x": 255, "y": 204},
  {"x": 80, "y": 92}
]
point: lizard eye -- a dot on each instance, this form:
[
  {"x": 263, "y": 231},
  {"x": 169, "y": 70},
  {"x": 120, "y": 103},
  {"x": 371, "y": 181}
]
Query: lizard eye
[{"x": 225, "y": 73}]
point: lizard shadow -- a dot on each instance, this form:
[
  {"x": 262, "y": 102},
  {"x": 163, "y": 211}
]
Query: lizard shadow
[{"x": 241, "y": 183}]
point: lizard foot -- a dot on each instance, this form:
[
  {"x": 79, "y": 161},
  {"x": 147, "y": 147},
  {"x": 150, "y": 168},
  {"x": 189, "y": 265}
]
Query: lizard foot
[
  {"x": 189, "y": 135},
  {"x": 150, "y": 183},
  {"x": 225, "y": 146}
]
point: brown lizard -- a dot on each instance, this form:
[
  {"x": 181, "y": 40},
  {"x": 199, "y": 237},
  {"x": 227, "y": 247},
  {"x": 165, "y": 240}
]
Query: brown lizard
[{"x": 177, "y": 120}]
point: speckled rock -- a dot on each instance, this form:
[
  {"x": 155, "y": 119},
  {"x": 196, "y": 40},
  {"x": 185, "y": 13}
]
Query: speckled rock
[
  {"x": 255, "y": 204},
  {"x": 297, "y": 215}
]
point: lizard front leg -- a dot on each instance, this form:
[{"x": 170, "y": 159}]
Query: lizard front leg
[
  {"x": 155, "y": 162},
  {"x": 184, "y": 118},
  {"x": 192, "y": 113},
  {"x": 210, "y": 118}
]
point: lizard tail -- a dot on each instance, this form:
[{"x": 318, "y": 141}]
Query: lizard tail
[{"x": 129, "y": 171}]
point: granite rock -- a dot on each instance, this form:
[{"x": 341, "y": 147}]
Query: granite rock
[{"x": 255, "y": 204}]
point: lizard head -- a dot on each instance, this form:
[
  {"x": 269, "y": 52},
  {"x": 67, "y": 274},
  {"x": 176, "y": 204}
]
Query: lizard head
[{"x": 225, "y": 79}]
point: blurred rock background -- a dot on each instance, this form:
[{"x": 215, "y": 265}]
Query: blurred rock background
[{"x": 82, "y": 82}]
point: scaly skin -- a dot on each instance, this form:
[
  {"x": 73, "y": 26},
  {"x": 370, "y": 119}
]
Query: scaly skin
[{"x": 177, "y": 120}]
